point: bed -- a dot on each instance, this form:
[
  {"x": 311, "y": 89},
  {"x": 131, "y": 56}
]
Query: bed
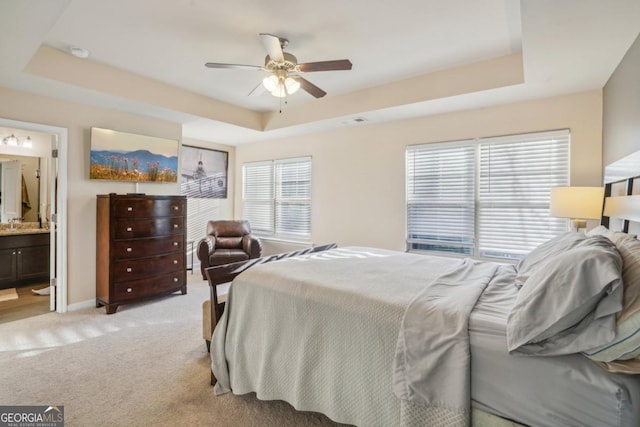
[{"x": 374, "y": 337}]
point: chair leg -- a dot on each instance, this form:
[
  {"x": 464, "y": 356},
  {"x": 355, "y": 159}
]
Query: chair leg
[{"x": 208, "y": 346}]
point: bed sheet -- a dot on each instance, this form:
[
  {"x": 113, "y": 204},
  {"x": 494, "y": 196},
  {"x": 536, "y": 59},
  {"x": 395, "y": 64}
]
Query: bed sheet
[{"x": 542, "y": 391}]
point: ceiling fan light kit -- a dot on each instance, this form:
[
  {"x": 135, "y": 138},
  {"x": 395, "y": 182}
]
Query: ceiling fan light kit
[
  {"x": 284, "y": 68},
  {"x": 291, "y": 84},
  {"x": 280, "y": 85},
  {"x": 271, "y": 82}
]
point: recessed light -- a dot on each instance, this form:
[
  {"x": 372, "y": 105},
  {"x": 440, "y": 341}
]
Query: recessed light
[{"x": 79, "y": 52}]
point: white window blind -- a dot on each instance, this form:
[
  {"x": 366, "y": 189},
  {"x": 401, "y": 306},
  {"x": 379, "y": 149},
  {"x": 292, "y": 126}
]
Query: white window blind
[
  {"x": 293, "y": 198},
  {"x": 440, "y": 197},
  {"x": 487, "y": 197},
  {"x": 277, "y": 197},
  {"x": 516, "y": 177},
  {"x": 258, "y": 196}
]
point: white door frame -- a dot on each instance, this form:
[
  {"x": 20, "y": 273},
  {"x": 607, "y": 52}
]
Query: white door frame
[{"x": 59, "y": 229}]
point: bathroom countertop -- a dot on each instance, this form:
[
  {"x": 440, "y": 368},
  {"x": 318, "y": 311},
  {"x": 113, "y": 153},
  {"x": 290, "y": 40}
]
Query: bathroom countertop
[{"x": 8, "y": 232}]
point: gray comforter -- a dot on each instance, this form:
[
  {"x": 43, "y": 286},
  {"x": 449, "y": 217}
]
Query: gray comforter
[{"x": 322, "y": 332}]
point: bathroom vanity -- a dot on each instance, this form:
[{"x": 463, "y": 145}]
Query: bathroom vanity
[{"x": 24, "y": 256}]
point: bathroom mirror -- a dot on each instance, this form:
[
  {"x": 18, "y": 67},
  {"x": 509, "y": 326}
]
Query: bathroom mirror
[{"x": 24, "y": 189}]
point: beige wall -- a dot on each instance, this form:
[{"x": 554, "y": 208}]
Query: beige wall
[
  {"x": 359, "y": 172},
  {"x": 81, "y": 202},
  {"x": 621, "y": 121}
]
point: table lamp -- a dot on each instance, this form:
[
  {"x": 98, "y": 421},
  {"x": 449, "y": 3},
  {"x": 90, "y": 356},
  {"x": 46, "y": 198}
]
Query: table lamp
[{"x": 577, "y": 203}]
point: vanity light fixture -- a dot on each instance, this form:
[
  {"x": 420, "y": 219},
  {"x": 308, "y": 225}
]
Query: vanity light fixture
[
  {"x": 10, "y": 140},
  {"x": 14, "y": 141}
]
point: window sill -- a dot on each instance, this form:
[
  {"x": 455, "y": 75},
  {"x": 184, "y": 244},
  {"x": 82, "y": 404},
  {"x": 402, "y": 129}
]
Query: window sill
[{"x": 284, "y": 240}]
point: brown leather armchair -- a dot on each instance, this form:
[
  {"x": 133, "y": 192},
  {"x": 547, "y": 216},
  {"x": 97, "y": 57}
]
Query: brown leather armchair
[{"x": 227, "y": 242}]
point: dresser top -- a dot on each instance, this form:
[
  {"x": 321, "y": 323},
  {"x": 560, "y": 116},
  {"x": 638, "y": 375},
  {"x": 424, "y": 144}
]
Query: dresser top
[{"x": 139, "y": 195}]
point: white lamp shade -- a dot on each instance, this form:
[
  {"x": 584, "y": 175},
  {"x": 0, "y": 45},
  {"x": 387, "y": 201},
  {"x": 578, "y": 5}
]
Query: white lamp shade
[
  {"x": 577, "y": 202},
  {"x": 270, "y": 83},
  {"x": 279, "y": 91},
  {"x": 280, "y": 86},
  {"x": 292, "y": 85}
]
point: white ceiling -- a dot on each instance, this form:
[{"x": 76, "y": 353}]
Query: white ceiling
[{"x": 398, "y": 50}]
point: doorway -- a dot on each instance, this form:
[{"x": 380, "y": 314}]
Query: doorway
[
  {"x": 24, "y": 234},
  {"x": 50, "y": 148}
]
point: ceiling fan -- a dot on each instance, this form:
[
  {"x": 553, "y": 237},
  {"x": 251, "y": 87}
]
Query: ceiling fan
[{"x": 284, "y": 68}]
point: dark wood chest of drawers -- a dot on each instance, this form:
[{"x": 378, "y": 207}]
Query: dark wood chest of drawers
[{"x": 140, "y": 251}]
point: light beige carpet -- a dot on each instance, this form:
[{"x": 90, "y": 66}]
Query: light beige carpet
[
  {"x": 8, "y": 294},
  {"x": 145, "y": 365}
]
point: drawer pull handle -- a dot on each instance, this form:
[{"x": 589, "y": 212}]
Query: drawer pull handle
[
  {"x": 129, "y": 228},
  {"x": 175, "y": 208},
  {"x": 175, "y": 261},
  {"x": 129, "y": 249},
  {"x": 175, "y": 225},
  {"x": 175, "y": 243},
  {"x": 128, "y": 269},
  {"x": 129, "y": 290},
  {"x": 130, "y": 209},
  {"x": 175, "y": 279}
]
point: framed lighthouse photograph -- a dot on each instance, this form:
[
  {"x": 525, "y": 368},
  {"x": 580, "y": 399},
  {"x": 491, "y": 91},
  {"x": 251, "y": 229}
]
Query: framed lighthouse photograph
[{"x": 203, "y": 172}]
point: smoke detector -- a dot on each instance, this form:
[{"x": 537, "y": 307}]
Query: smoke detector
[{"x": 79, "y": 52}]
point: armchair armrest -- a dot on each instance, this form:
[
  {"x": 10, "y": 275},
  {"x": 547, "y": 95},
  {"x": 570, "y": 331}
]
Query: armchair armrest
[
  {"x": 252, "y": 246},
  {"x": 206, "y": 247}
]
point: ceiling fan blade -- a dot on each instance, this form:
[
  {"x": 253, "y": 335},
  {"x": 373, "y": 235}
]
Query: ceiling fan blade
[
  {"x": 309, "y": 87},
  {"x": 339, "y": 64},
  {"x": 233, "y": 66},
  {"x": 272, "y": 45}
]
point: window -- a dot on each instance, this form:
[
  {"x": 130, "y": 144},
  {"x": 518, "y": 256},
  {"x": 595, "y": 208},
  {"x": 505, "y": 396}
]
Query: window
[
  {"x": 440, "y": 189},
  {"x": 487, "y": 197},
  {"x": 277, "y": 197}
]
